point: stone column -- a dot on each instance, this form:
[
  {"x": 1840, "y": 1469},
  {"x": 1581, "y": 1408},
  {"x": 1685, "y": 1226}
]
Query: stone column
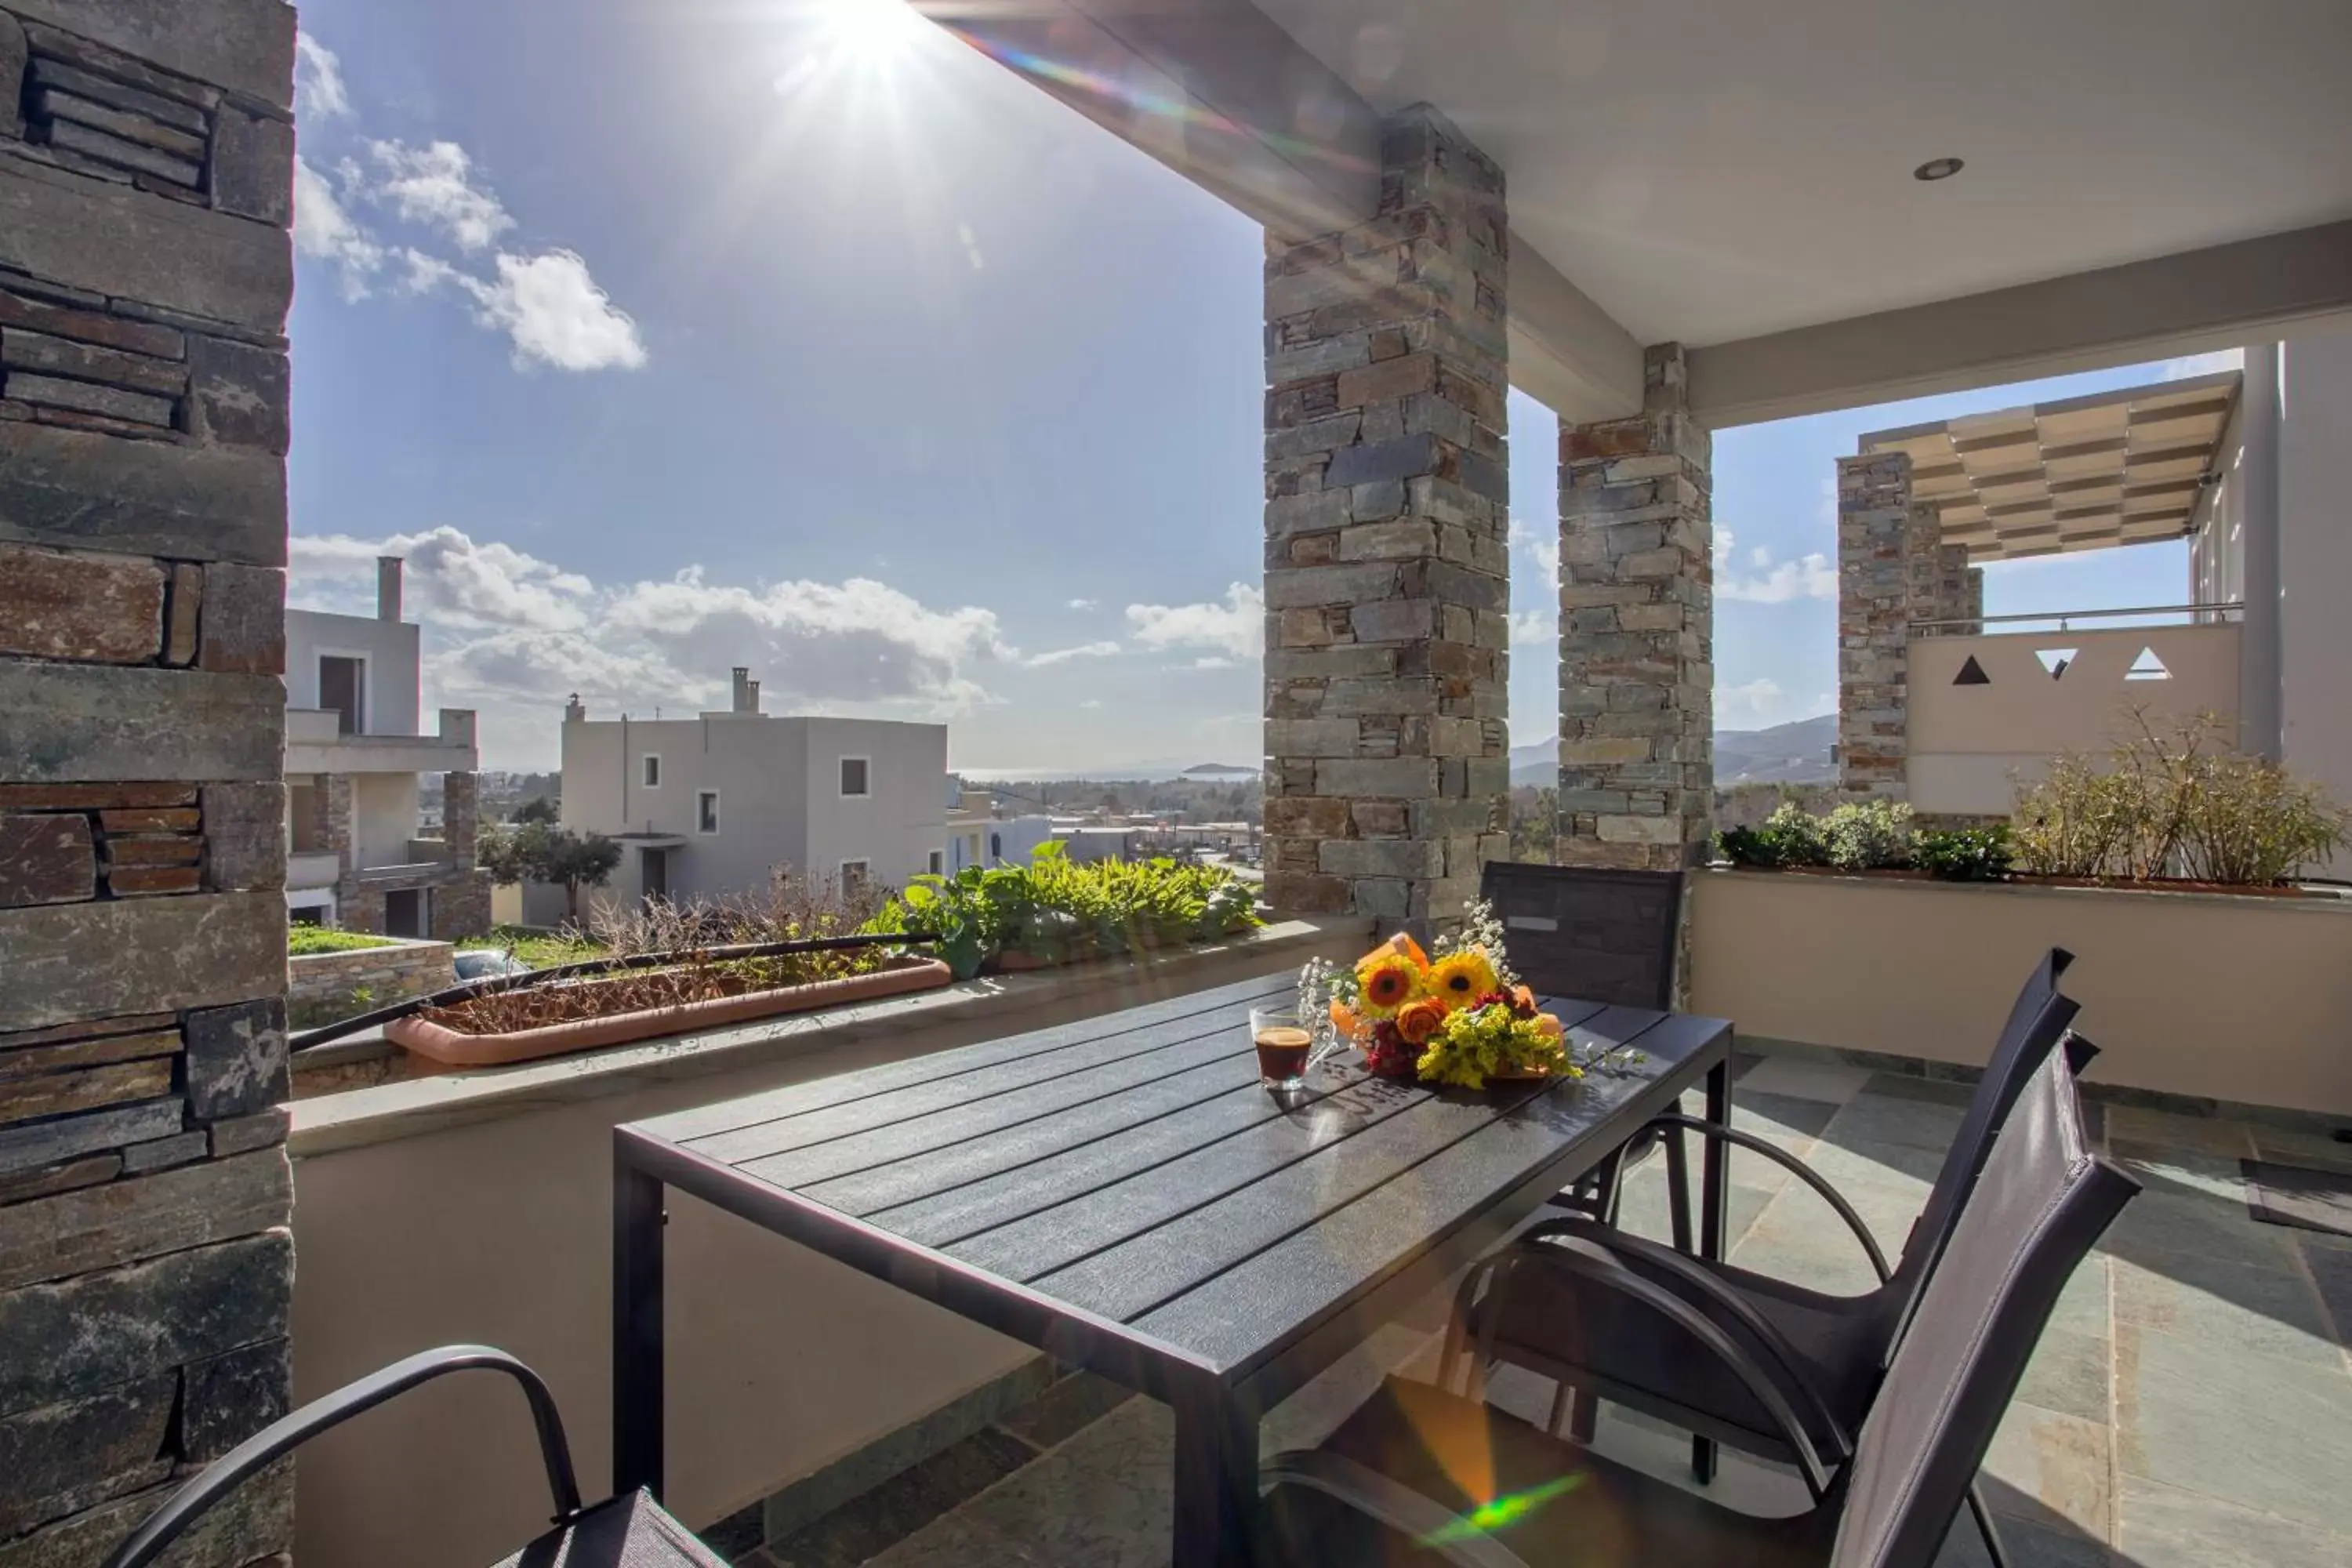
[
  {"x": 1637, "y": 633},
  {"x": 1971, "y": 600},
  {"x": 146, "y": 176},
  {"x": 461, "y": 903},
  {"x": 1874, "y": 598},
  {"x": 336, "y": 813},
  {"x": 1386, "y": 591}
]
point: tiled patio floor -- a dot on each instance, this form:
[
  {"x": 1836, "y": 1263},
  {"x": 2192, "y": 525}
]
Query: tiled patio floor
[{"x": 2191, "y": 1402}]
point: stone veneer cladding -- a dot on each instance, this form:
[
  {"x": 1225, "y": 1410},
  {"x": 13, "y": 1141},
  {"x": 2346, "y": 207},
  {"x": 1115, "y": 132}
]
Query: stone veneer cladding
[
  {"x": 1387, "y": 514},
  {"x": 1637, "y": 633},
  {"x": 1877, "y": 587},
  {"x": 146, "y": 173}
]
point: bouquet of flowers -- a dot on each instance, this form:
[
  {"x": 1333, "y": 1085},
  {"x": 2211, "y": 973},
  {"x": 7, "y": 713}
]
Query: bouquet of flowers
[{"x": 1459, "y": 1016}]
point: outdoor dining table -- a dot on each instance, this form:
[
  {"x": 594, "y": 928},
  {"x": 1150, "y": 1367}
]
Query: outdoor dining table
[{"x": 1122, "y": 1194}]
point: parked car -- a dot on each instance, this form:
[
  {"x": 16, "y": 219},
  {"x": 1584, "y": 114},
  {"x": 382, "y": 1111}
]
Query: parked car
[{"x": 488, "y": 963}]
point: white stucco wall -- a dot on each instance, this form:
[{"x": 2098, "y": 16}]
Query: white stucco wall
[
  {"x": 391, "y": 703},
  {"x": 780, "y": 803},
  {"x": 2316, "y": 559},
  {"x": 383, "y": 817}
]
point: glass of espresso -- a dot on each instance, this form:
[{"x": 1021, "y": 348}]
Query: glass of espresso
[{"x": 1282, "y": 1044}]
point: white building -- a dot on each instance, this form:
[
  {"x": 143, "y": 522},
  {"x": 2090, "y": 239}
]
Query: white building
[
  {"x": 718, "y": 803},
  {"x": 354, "y": 753},
  {"x": 977, "y": 836}
]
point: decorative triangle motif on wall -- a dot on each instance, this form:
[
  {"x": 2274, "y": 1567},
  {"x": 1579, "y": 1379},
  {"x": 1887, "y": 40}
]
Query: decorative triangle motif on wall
[
  {"x": 1972, "y": 674},
  {"x": 2147, "y": 666},
  {"x": 2055, "y": 660}
]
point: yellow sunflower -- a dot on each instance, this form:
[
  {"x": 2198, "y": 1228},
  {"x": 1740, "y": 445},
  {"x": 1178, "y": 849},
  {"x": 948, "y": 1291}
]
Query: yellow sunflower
[
  {"x": 1461, "y": 978},
  {"x": 1386, "y": 981}
]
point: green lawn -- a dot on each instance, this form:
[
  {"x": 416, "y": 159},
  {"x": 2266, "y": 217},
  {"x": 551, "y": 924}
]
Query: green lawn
[
  {"x": 536, "y": 949},
  {"x": 308, "y": 938}
]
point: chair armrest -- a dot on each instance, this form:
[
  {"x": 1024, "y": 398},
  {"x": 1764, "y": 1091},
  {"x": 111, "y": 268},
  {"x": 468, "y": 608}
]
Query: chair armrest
[
  {"x": 290, "y": 1431},
  {"x": 1602, "y": 1267},
  {"x": 1695, "y": 1277},
  {"x": 1795, "y": 1166},
  {"x": 1430, "y": 1523}
]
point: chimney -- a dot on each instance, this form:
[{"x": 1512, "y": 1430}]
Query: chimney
[
  {"x": 742, "y": 703},
  {"x": 751, "y": 702},
  {"x": 387, "y": 587},
  {"x": 576, "y": 711}
]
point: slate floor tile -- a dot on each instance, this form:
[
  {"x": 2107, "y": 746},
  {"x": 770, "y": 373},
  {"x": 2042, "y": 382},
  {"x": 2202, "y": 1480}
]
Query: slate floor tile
[
  {"x": 2267, "y": 1432},
  {"x": 2164, "y": 1527}
]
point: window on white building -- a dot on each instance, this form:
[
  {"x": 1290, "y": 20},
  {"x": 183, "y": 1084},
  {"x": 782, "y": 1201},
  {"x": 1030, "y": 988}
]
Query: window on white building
[
  {"x": 652, "y": 769},
  {"x": 939, "y": 862},
  {"x": 854, "y": 781},
  {"x": 705, "y": 811},
  {"x": 853, "y": 877}
]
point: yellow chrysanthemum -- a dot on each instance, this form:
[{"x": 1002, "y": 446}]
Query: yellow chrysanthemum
[
  {"x": 1386, "y": 981},
  {"x": 1461, "y": 978}
]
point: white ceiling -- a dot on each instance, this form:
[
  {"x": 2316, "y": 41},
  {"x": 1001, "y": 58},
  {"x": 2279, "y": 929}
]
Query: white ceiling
[{"x": 1711, "y": 170}]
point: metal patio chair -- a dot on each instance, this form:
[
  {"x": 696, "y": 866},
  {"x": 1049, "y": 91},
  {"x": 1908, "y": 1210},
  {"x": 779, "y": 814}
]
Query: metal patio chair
[
  {"x": 1421, "y": 1476},
  {"x": 1552, "y": 1315},
  {"x": 630, "y": 1531},
  {"x": 1599, "y": 934}
]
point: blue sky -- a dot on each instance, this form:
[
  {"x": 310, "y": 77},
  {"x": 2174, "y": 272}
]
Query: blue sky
[{"x": 663, "y": 339}]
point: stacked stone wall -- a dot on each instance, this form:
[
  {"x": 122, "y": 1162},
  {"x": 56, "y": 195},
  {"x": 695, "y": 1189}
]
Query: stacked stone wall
[
  {"x": 1637, "y": 633},
  {"x": 145, "y": 1267},
  {"x": 1875, "y": 589},
  {"x": 1387, "y": 560}
]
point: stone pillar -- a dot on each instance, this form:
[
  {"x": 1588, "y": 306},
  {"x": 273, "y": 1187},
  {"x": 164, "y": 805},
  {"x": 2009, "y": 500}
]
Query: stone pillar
[
  {"x": 1972, "y": 601},
  {"x": 1387, "y": 586},
  {"x": 1637, "y": 633},
  {"x": 146, "y": 176},
  {"x": 337, "y": 810},
  {"x": 461, "y": 903},
  {"x": 1874, "y": 598}
]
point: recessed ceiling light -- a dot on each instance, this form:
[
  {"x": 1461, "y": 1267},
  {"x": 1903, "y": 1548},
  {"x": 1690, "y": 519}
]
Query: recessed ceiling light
[{"x": 1938, "y": 169}]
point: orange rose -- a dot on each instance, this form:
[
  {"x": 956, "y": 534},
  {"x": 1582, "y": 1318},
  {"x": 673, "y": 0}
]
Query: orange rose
[
  {"x": 1524, "y": 997},
  {"x": 1344, "y": 1019},
  {"x": 1549, "y": 1025},
  {"x": 1420, "y": 1021}
]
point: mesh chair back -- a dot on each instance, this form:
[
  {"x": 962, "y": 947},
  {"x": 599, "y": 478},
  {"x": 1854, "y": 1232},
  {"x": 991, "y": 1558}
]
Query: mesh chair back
[
  {"x": 2041, "y": 1203},
  {"x": 2037, "y": 1022},
  {"x": 1593, "y": 932}
]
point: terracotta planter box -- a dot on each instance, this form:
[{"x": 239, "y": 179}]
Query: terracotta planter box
[{"x": 438, "y": 1042}]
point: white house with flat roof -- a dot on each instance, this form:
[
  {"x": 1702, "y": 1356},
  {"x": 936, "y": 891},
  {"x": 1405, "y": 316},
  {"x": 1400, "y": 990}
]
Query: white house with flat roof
[
  {"x": 354, "y": 757},
  {"x": 718, "y": 804}
]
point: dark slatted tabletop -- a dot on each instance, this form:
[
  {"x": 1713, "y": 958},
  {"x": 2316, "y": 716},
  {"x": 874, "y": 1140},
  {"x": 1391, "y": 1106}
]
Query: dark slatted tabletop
[{"x": 1122, "y": 1192}]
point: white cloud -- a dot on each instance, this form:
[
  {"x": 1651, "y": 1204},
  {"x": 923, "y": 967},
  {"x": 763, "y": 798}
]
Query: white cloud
[
  {"x": 1091, "y": 703},
  {"x": 1541, "y": 545},
  {"x": 1810, "y": 576},
  {"x": 1215, "y": 661},
  {"x": 433, "y": 185},
  {"x": 1237, "y": 626},
  {"x": 324, "y": 228},
  {"x": 1531, "y": 628},
  {"x": 549, "y": 305},
  {"x": 513, "y": 634},
  {"x": 1755, "y": 705},
  {"x": 319, "y": 81},
  {"x": 555, "y": 313},
  {"x": 1082, "y": 603},
  {"x": 1064, "y": 655}
]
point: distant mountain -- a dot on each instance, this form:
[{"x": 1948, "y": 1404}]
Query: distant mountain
[
  {"x": 1785, "y": 753},
  {"x": 1220, "y": 770},
  {"x": 1798, "y": 753}
]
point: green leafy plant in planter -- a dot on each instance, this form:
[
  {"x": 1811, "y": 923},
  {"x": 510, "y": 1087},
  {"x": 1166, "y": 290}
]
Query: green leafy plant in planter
[
  {"x": 2167, "y": 805},
  {"x": 1867, "y": 836},
  {"x": 1791, "y": 836},
  {"x": 1963, "y": 854}
]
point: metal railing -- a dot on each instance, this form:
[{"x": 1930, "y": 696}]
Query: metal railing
[
  {"x": 327, "y": 1033},
  {"x": 2223, "y": 611}
]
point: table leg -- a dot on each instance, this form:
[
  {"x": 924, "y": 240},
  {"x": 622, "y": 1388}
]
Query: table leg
[
  {"x": 637, "y": 1329},
  {"x": 1216, "y": 1480},
  {"x": 1714, "y": 1212}
]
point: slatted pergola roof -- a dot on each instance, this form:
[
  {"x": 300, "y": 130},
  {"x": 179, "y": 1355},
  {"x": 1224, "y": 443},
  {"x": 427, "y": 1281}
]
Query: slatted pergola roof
[{"x": 2085, "y": 473}]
